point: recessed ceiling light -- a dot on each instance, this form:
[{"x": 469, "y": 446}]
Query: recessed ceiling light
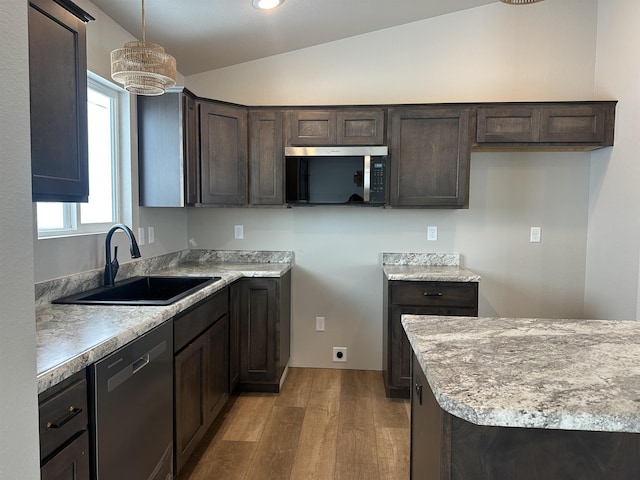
[{"x": 266, "y": 4}]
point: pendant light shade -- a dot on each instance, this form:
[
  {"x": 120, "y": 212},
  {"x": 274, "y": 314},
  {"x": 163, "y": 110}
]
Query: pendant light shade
[
  {"x": 519, "y": 2},
  {"x": 143, "y": 68}
]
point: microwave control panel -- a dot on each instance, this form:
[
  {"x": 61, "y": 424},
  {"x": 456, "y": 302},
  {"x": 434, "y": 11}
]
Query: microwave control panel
[{"x": 378, "y": 180}]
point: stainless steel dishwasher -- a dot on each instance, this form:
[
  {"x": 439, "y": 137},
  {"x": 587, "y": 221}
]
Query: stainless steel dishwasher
[{"x": 132, "y": 409}]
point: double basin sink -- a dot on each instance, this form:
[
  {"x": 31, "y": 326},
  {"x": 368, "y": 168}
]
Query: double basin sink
[{"x": 148, "y": 290}]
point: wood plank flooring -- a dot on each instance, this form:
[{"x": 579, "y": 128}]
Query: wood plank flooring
[{"x": 325, "y": 424}]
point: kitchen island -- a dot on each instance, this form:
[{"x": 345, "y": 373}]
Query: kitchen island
[{"x": 506, "y": 398}]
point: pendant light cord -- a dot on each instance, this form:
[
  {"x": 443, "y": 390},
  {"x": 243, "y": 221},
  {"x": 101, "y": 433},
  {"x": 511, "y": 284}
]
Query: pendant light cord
[{"x": 143, "y": 23}]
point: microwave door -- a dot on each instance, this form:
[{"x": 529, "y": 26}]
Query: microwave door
[{"x": 367, "y": 178}]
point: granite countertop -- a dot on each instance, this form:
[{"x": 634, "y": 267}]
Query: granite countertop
[
  {"x": 426, "y": 267},
  {"x": 71, "y": 337},
  {"x": 532, "y": 373}
]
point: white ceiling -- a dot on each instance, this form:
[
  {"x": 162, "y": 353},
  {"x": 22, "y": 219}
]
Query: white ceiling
[{"x": 209, "y": 34}]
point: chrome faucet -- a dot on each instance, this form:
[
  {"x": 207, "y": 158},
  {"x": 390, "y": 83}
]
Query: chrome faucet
[{"x": 111, "y": 267}]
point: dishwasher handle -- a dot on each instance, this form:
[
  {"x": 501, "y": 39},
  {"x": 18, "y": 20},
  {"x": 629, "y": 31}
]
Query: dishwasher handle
[
  {"x": 134, "y": 367},
  {"x": 142, "y": 362}
]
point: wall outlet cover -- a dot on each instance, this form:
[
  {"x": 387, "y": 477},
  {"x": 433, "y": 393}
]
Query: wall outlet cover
[
  {"x": 340, "y": 354},
  {"x": 432, "y": 233},
  {"x": 319, "y": 324},
  {"x": 238, "y": 232}
]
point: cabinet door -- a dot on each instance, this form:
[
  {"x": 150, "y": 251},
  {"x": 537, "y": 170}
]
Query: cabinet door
[
  {"x": 573, "y": 124},
  {"x": 217, "y": 378},
  {"x": 429, "y": 155},
  {"x": 311, "y": 128},
  {"x": 190, "y": 369},
  {"x": 71, "y": 463},
  {"x": 258, "y": 334},
  {"x": 508, "y": 125},
  {"x": 430, "y": 450},
  {"x": 360, "y": 127},
  {"x": 58, "y": 93},
  {"x": 223, "y": 154},
  {"x": 266, "y": 158}
]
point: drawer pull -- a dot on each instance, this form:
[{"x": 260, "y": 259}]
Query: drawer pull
[
  {"x": 73, "y": 411},
  {"x": 432, "y": 294}
]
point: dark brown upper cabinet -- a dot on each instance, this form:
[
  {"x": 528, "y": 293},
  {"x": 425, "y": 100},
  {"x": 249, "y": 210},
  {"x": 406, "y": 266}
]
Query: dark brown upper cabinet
[
  {"x": 429, "y": 151},
  {"x": 223, "y": 154},
  {"x": 335, "y": 127},
  {"x": 168, "y": 161},
  {"x": 551, "y": 126},
  {"x": 266, "y": 158},
  {"x": 58, "y": 95}
]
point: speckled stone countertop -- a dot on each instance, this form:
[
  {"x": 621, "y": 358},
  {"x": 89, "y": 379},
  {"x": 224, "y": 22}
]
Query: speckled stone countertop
[
  {"x": 71, "y": 337},
  {"x": 532, "y": 373},
  {"x": 426, "y": 267}
]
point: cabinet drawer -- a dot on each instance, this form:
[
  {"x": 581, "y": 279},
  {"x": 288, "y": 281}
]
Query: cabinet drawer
[
  {"x": 192, "y": 322},
  {"x": 62, "y": 416},
  {"x": 437, "y": 294}
]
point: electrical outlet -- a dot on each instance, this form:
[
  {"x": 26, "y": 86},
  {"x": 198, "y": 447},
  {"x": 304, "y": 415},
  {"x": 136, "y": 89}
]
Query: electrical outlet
[
  {"x": 152, "y": 234},
  {"x": 536, "y": 235},
  {"x": 432, "y": 233},
  {"x": 140, "y": 236},
  {"x": 238, "y": 232},
  {"x": 339, "y": 354},
  {"x": 319, "y": 324}
]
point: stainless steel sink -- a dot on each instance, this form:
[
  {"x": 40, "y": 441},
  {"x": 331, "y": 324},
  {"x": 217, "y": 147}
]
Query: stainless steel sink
[{"x": 149, "y": 290}]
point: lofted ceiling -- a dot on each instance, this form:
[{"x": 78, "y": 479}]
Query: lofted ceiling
[{"x": 209, "y": 34}]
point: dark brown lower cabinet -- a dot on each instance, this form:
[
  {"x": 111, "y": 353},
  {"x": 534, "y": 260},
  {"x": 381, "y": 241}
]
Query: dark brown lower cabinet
[
  {"x": 64, "y": 436},
  {"x": 445, "y": 447},
  {"x": 201, "y": 372},
  {"x": 417, "y": 298},
  {"x": 71, "y": 463},
  {"x": 262, "y": 309}
]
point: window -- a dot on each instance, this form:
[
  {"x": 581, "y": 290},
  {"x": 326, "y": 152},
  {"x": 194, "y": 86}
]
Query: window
[{"x": 103, "y": 208}]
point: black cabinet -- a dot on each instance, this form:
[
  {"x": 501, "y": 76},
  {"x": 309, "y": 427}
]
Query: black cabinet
[
  {"x": 64, "y": 437},
  {"x": 58, "y": 95},
  {"x": 201, "y": 371},
  {"x": 262, "y": 309},
  {"x": 223, "y": 154},
  {"x": 168, "y": 161},
  {"x": 430, "y": 152},
  {"x": 266, "y": 158},
  {"x": 552, "y": 126},
  {"x": 417, "y": 298}
]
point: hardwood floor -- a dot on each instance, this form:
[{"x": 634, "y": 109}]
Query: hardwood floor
[{"x": 325, "y": 424}]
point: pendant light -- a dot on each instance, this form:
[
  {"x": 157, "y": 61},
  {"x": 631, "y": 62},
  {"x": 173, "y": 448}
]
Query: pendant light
[
  {"x": 519, "y": 2},
  {"x": 143, "y": 67}
]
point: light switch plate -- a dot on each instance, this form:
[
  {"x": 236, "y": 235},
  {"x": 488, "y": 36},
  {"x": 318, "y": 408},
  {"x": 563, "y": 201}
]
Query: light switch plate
[
  {"x": 140, "y": 236},
  {"x": 536, "y": 235},
  {"x": 152, "y": 234},
  {"x": 319, "y": 324}
]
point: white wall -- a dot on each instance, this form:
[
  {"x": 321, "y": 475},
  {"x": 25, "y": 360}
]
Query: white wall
[
  {"x": 19, "y": 453},
  {"x": 614, "y": 220},
  {"x": 494, "y": 53},
  {"x": 56, "y": 257}
]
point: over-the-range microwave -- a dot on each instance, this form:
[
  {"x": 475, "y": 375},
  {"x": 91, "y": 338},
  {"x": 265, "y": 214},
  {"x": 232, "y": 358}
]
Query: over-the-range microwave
[{"x": 336, "y": 175}]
